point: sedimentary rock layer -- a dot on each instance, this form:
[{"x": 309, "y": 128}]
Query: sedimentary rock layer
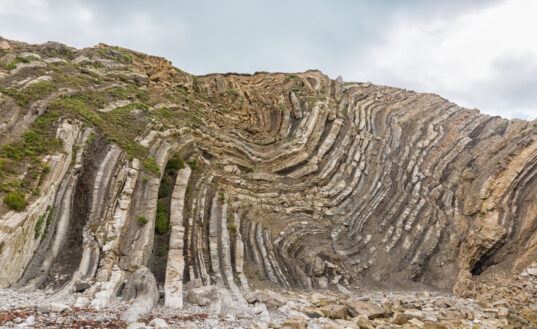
[{"x": 296, "y": 179}]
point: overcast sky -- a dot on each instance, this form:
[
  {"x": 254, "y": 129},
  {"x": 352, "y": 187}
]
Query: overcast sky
[{"x": 477, "y": 53}]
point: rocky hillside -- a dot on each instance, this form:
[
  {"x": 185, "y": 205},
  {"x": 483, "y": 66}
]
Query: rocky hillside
[{"x": 122, "y": 174}]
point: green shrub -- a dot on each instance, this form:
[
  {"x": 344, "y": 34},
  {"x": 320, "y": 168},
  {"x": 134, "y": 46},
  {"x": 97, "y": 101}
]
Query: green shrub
[
  {"x": 151, "y": 165},
  {"x": 142, "y": 221},
  {"x": 164, "y": 188},
  {"x": 15, "y": 200},
  {"x": 161, "y": 220},
  {"x": 39, "y": 226},
  {"x": 161, "y": 223},
  {"x": 175, "y": 164},
  {"x": 161, "y": 206}
]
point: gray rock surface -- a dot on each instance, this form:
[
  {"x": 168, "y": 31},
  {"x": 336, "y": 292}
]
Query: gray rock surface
[{"x": 142, "y": 292}]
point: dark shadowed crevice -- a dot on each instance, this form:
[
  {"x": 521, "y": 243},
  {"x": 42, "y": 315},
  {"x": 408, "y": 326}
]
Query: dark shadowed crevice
[
  {"x": 159, "y": 258},
  {"x": 69, "y": 257}
]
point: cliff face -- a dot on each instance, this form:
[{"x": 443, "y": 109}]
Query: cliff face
[{"x": 113, "y": 160}]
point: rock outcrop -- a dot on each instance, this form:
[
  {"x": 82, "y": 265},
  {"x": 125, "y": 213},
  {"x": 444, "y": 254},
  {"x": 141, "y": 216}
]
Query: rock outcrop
[{"x": 239, "y": 181}]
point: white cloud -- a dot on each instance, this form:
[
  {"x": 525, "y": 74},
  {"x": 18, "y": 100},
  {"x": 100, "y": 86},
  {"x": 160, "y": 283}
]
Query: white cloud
[
  {"x": 458, "y": 58},
  {"x": 84, "y": 15}
]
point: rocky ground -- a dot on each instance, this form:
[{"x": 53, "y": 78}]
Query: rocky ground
[{"x": 499, "y": 302}]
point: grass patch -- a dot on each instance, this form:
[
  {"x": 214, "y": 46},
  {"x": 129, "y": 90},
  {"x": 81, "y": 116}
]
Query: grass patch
[
  {"x": 20, "y": 59},
  {"x": 15, "y": 200},
  {"x": 193, "y": 164},
  {"x": 38, "y": 90},
  {"x": 45, "y": 219},
  {"x": 151, "y": 165},
  {"x": 38, "y": 140},
  {"x": 39, "y": 226},
  {"x": 231, "y": 92}
]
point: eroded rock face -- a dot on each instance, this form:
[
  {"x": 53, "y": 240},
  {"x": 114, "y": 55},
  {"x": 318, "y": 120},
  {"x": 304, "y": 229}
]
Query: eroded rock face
[{"x": 292, "y": 179}]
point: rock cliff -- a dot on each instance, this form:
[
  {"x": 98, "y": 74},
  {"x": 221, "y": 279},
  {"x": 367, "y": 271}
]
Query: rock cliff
[{"x": 114, "y": 162}]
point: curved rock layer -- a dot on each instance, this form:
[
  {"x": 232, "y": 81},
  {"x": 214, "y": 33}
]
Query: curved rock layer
[{"x": 297, "y": 179}]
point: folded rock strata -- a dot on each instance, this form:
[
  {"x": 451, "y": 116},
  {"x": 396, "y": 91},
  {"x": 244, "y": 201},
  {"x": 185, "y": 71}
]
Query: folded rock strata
[{"x": 297, "y": 179}]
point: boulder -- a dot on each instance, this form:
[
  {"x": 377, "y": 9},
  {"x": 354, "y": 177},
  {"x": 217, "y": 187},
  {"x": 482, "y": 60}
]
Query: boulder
[
  {"x": 202, "y": 296},
  {"x": 81, "y": 286},
  {"x": 158, "y": 323},
  {"x": 313, "y": 312},
  {"x": 532, "y": 271},
  {"x": 141, "y": 288},
  {"x": 414, "y": 314},
  {"x": 272, "y": 299},
  {"x": 399, "y": 318},
  {"x": 136, "y": 325},
  {"x": 54, "y": 307},
  {"x": 358, "y": 307},
  {"x": 294, "y": 324},
  {"x": 364, "y": 323},
  {"x": 416, "y": 322},
  {"x": 334, "y": 311}
]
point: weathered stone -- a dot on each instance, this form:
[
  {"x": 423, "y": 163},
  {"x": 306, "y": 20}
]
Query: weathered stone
[
  {"x": 294, "y": 324},
  {"x": 313, "y": 312},
  {"x": 358, "y": 307},
  {"x": 399, "y": 318},
  {"x": 416, "y": 322},
  {"x": 532, "y": 271},
  {"x": 158, "y": 323},
  {"x": 272, "y": 299},
  {"x": 364, "y": 323},
  {"x": 202, "y": 296},
  {"x": 414, "y": 314},
  {"x": 81, "y": 286},
  {"x": 141, "y": 289},
  {"x": 334, "y": 311},
  {"x": 54, "y": 307},
  {"x": 529, "y": 315}
]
